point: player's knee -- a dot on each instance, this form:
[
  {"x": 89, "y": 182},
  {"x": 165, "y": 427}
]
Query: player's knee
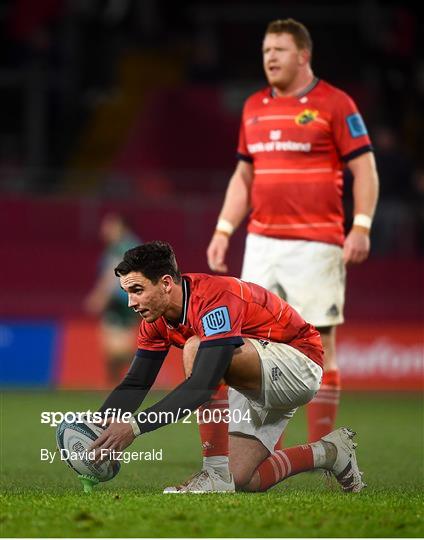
[{"x": 189, "y": 353}]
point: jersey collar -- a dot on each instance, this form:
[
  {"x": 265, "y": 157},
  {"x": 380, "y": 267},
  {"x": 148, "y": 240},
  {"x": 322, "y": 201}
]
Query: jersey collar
[
  {"x": 186, "y": 297},
  {"x": 301, "y": 94}
]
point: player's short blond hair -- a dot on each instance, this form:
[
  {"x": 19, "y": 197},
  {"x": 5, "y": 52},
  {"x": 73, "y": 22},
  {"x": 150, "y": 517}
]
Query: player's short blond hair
[{"x": 300, "y": 33}]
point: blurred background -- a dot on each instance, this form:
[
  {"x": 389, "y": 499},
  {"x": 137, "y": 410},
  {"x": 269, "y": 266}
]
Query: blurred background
[{"x": 133, "y": 108}]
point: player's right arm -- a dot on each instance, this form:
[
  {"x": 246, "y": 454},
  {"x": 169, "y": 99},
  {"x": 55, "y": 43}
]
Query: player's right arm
[
  {"x": 365, "y": 195},
  {"x": 235, "y": 208},
  {"x": 130, "y": 393}
]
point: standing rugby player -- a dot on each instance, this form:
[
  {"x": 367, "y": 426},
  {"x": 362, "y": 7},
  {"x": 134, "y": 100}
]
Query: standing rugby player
[{"x": 296, "y": 136}]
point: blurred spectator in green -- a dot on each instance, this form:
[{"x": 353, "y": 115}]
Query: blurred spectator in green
[{"x": 109, "y": 301}]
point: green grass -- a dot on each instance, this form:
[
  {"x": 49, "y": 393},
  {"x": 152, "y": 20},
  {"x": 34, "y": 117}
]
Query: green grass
[{"x": 46, "y": 500}]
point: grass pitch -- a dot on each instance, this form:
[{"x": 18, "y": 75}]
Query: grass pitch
[{"x": 39, "y": 499}]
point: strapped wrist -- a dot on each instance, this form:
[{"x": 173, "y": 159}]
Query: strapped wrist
[
  {"x": 217, "y": 231},
  {"x": 363, "y": 221},
  {"x": 225, "y": 227},
  {"x": 359, "y": 228},
  {"x": 135, "y": 426}
]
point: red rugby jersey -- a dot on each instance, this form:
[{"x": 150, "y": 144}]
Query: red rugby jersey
[
  {"x": 227, "y": 309},
  {"x": 297, "y": 146}
]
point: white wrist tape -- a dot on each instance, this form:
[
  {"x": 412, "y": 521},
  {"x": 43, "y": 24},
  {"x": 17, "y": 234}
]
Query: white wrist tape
[
  {"x": 135, "y": 426},
  {"x": 225, "y": 226},
  {"x": 362, "y": 220}
]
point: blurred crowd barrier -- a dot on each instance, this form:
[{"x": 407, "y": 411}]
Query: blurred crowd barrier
[
  {"x": 67, "y": 355},
  {"x": 50, "y": 248}
]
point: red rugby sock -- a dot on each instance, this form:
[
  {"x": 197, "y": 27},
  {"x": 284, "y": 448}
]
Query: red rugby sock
[
  {"x": 322, "y": 410},
  {"x": 213, "y": 431},
  {"x": 284, "y": 463}
]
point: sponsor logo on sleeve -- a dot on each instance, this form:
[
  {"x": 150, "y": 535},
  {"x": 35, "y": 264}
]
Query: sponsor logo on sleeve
[
  {"x": 356, "y": 125},
  {"x": 216, "y": 321}
]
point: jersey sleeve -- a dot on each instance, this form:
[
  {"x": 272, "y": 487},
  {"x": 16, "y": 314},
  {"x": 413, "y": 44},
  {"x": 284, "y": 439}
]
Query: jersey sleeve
[
  {"x": 350, "y": 133},
  {"x": 242, "y": 150},
  {"x": 150, "y": 338},
  {"x": 220, "y": 319}
]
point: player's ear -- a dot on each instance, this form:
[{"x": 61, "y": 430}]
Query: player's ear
[
  {"x": 167, "y": 283},
  {"x": 304, "y": 56}
]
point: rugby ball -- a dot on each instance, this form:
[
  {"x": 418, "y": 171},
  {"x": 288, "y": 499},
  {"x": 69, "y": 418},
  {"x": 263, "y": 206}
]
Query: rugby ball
[{"x": 73, "y": 440}]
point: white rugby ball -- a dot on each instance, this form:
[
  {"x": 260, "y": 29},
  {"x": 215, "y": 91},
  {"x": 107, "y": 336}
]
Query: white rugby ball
[{"x": 73, "y": 441}]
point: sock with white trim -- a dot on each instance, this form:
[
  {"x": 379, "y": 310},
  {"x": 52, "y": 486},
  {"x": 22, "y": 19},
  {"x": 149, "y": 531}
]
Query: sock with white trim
[
  {"x": 214, "y": 433},
  {"x": 285, "y": 463},
  {"x": 218, "y": 464}
]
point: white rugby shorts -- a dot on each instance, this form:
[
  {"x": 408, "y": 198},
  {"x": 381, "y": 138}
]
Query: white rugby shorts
[
  {"x": 289, "y": 379},
  {"x": 310, "y": 276}
]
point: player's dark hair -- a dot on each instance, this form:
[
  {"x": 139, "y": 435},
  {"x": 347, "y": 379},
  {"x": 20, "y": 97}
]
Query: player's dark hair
[
  {"x": 153, "y": 260},
  {"x": 300, "y": 33}
]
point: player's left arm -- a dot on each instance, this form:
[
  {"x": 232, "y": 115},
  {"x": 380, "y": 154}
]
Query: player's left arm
[
  {"x": 365, "y": 195},
  {"x": 210, "y": 365}
]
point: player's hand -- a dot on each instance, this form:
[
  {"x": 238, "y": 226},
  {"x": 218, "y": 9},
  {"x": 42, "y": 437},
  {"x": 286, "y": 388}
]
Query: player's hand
[
  {"x": 117, "y": 436},
  {"x": 216, "y": 252},
  {"x": 356, "y": 246}
]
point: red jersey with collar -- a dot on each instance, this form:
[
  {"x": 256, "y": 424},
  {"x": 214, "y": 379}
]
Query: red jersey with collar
[
  {"x": 297, "y": 146},
  {"x": 228, "y": 309}
]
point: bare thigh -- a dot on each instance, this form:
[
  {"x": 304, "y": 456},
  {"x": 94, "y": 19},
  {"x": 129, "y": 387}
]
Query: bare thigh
[{"x": 244, "y": 373}]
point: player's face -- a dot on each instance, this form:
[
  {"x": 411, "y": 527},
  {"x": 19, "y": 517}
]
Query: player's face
[
  {"x": 282, "y": 59},
  {"x": 147, "y": 299}
]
